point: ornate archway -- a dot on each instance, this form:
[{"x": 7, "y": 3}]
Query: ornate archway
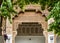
[{"x": 29, "y": 20}]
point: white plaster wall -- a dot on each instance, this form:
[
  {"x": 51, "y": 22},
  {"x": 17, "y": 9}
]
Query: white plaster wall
[
  {"x": 1, "y": 39},
  {"x": 58, "y": 40},
  {"x": 34, "y": 39}
]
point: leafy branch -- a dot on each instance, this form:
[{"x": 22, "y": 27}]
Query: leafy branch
[
  {"x": 43, "y": 3},
  {"x": 55, "y": 13},
  {"x": 6, "y": 9}
]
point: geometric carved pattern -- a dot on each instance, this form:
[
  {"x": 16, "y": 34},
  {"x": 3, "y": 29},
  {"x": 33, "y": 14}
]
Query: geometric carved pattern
[{"x": 30, "y": 29}]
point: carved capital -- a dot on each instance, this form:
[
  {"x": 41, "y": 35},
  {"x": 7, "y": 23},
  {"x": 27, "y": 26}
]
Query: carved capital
[
  {"x": 14, "y": 34},
  {"x": 45, "y": 33}
]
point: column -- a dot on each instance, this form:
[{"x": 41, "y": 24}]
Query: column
[
  {"x": 9, "y": 31},
  {"x": 3, "y": 28},
  {"x": 46, "y": 36},
  {"x": 14, "y": 35},
  {"x": 55, "y": 37}
]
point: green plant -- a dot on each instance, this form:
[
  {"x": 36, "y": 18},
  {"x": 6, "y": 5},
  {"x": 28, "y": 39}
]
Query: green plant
[
  {"x": 6, "y": 9},
  {"x": 43, "y": 3},
  {"x": 55, "y": 13}
]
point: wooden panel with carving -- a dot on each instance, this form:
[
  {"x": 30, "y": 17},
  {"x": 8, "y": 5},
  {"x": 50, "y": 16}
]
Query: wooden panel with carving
[{"x": 29, "y": 29}]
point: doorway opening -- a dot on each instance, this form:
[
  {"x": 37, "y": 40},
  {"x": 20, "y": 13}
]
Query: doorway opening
[{"x": 30, "y": 32}]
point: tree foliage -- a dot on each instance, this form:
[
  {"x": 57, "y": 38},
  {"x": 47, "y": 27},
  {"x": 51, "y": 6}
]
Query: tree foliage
[
  {"x": 6, "y": 9},
  {"x": 55, "y": 13},
  {"x": 43, "y": 3}
]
